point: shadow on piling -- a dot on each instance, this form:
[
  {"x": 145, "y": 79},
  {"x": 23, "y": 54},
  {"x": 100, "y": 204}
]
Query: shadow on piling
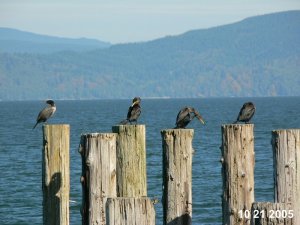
[
  {"x": 182, "y": 220},
  {"x": 51, "y": 200}
]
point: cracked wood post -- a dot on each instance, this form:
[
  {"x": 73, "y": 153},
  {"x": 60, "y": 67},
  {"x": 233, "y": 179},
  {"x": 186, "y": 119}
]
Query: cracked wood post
[
  {"x": 56, "y": 174},
  {"x": 269, "y": 213},
  {"x": 238, "y": 160},
  {"x": 131, "y": 160},
  {"x": 286, "y": 155},
  {"x": 130, "y": 211},
  {"x": 98, "y": 153},
  {"x": 177, "y": 176}
]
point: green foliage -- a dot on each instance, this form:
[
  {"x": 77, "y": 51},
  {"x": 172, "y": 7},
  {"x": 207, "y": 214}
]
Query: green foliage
[{"x": 259, "y": 56}]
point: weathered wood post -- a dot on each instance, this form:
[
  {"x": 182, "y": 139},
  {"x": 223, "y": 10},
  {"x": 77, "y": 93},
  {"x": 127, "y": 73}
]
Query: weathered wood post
[
  {"x": 131, "y": 160},
  {"x": 130, "y": 211},
  {"x": 130, "y": 207},
  {"x": 286, "y": 155},
  {"x": 98, "y": 152},
  {"x": 56, "y": 174},
  {"x": 238, "y": 160},
  {"x": 177, "y": 176},
  {"x": 269, "y": 213}
]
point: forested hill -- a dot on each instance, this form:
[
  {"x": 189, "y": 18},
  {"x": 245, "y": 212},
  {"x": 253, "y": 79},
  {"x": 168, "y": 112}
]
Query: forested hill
[
  {"x": 16, "y": 41},
  {"x": 259, "y": 56}
]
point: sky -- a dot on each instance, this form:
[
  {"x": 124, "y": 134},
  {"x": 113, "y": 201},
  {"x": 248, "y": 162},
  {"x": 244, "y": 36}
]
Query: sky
[{"x": 117, "y": 21}]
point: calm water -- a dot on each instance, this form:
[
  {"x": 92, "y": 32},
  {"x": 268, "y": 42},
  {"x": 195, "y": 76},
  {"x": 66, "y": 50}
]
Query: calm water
[{"x": 21, "y": 149}]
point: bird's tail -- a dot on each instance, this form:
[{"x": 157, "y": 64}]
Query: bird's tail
[
  {"x": 35, "y": 125},
  {"x": 124, "y": 122}
]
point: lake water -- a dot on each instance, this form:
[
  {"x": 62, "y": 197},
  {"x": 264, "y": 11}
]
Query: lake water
[{"x": 21, "y": 149}]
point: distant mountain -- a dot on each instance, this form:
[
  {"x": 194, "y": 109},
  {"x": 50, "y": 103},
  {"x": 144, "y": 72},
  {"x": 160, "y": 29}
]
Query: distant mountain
[
  {"x": 259, "y": 56},
  {"x": 12, "y": 40}
]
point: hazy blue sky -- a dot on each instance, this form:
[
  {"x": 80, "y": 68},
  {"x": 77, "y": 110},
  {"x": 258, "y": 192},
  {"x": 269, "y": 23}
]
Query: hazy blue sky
[{"x": 130, "y": 20}]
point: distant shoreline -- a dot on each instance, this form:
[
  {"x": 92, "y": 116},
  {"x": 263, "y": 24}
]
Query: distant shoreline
[{"x": 147, "y": 98}]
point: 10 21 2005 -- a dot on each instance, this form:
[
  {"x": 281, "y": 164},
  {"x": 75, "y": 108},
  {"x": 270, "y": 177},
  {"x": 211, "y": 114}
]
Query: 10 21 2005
[{"x": 262, "y": 214}]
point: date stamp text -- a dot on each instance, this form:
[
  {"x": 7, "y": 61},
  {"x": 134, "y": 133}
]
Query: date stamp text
[{"x": 272, "y": 214}]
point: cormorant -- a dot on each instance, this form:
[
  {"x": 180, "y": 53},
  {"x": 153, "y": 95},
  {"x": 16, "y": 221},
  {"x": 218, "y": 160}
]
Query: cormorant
[
  {"x": 246, "y": 113},
  {"x": 186, "y": 115},
  {"x": 134, "y": 111},
  {"x": 46, "y": 113}
]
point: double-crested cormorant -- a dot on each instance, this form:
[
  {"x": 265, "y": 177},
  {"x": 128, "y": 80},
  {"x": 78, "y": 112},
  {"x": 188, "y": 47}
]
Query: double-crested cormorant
[
  {"x": 134, "y": 111},
  {"x": 46, "y": 113},
  {"x": 186, "y": 115},
  {"x": 246, "y": 113}
]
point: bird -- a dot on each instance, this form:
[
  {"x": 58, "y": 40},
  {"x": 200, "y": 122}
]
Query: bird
[
  {"x": 246, "y": 113},
  {"x": 46, "y": 113},
  {"x": 134, "y": 112},
  {"x": 186, "y": 115}
]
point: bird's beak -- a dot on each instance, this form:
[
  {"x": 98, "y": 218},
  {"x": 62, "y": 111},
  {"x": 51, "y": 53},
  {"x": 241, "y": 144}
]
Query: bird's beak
[
  {"x": 201, "y": 119},
  {"x": 134, "y": 103}
]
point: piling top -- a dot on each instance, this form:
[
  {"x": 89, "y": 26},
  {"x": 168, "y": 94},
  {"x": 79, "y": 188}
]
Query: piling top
[
  {"x": 286, "y": 130},
  {"x": 56, "y": 125},
  {"x": 177, "y": 132},
  {"x": 130, "y": 127},
  {"x": 95, "y": 135},
  {"x": 238, "y": 125}
]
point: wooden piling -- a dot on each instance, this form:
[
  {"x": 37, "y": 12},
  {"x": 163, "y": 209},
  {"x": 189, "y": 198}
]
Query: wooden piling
[
  {"x": 98, "y": 152},
  {"x": 238, "y": 160},
  {"x": 130, "y": 211},
  {"x": 56, "y": 174},
  {"x": 131, "y": 160},
  {"x": 177, "y": 176},
  {"x": 286, "y": 155},
  {"x": 269, "y": 213}
]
